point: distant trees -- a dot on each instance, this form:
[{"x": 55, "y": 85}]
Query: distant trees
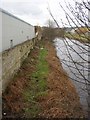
[
  {"x": 50, "y": 32},
  {"x": 50, "y": 23}
]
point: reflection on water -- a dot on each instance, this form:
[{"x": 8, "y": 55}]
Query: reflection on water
[{"x": 74, "y": 57}]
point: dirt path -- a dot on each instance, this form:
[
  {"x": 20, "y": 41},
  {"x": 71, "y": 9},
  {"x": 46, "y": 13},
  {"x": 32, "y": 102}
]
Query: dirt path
[{"x": 61, "y": 100}]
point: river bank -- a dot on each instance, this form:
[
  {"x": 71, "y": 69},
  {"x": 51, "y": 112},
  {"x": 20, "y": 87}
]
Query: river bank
[
  {"x": 75, "y": 63},
  {"x": 79, "y": 37},
  {"x": 47, "y": 94}
]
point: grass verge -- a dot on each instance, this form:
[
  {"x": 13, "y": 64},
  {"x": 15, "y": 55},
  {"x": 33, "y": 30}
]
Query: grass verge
[{"x": 37, "y": 86}]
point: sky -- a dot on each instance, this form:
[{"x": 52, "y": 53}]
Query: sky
[{"x": 36, "y": 12}]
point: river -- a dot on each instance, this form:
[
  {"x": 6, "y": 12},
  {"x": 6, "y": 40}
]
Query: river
[{"x": 74, "y": 58}]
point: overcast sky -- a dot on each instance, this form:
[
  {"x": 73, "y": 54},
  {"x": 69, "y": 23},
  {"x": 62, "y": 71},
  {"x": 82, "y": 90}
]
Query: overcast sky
[{"x": 36, "y": 12}]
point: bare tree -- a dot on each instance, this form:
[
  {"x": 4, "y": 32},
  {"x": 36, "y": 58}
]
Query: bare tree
[
  {"x": 49, "y": 31},
  {"x": 80, "y": 17},
  {"x": 50, "y": 23}
]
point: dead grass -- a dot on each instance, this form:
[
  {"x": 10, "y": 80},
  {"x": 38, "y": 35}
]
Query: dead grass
[{"x": 28, "y": 96}]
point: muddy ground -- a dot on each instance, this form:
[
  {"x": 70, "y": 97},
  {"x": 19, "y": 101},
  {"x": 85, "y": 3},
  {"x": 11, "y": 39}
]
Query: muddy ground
[{"x": 61, "y": 99}]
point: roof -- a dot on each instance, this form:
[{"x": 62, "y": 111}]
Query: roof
[{"x": 4, "y": 11}]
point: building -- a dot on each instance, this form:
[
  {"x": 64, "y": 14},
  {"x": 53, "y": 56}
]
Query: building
[
  {"x": 14, "y": 30},
  {"x": 17, "y": 38}
]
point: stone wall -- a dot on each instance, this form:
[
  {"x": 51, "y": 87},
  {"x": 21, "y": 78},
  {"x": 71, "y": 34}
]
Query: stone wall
[{"x": 13, "y": 58}]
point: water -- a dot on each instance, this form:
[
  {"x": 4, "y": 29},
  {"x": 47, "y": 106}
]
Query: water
[{"x": 74, "y": 58}]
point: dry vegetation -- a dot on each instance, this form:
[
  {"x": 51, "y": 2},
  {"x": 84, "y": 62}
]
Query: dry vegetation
[{"x": 41, "y": 88}]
